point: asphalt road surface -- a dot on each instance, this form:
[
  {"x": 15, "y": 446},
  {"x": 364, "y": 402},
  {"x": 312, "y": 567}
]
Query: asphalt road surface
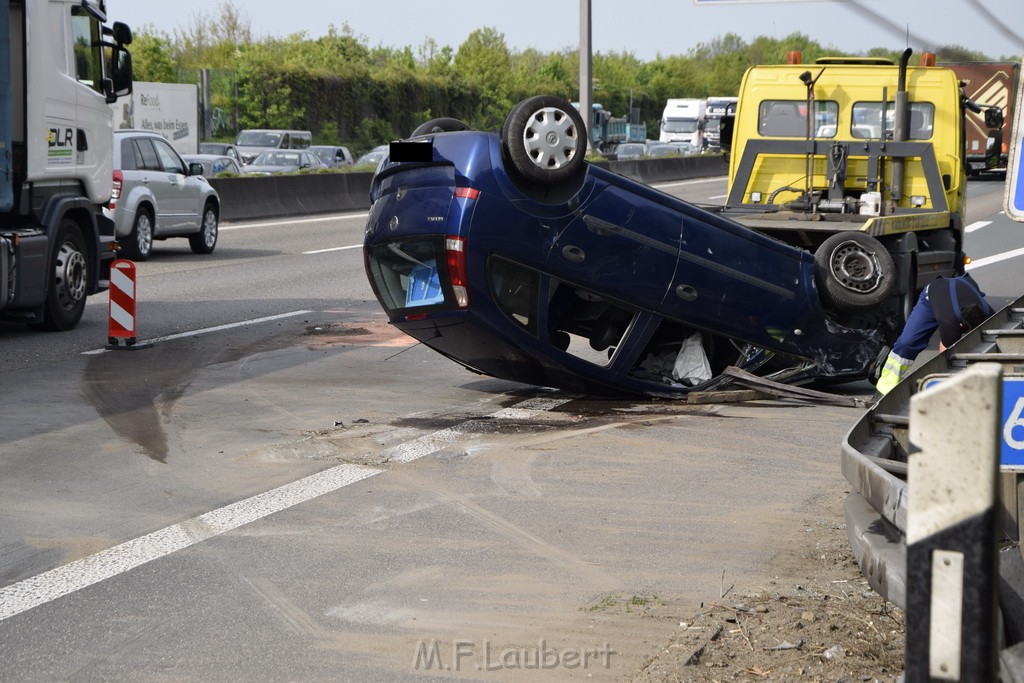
[{"x": 285, "y": 488}]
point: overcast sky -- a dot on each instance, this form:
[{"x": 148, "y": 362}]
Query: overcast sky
[{"x": 646, "y": 28}]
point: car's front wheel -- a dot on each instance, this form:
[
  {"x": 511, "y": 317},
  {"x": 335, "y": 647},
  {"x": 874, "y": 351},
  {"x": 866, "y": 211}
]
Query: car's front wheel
[
  {"x": 140, "y": 241},
  {"x": 546, "y": 139},
  {"x": 204, "y": 241}
]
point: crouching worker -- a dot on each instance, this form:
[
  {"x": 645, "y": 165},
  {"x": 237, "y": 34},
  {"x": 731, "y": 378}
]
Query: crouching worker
[{"x": 953, "y": 306}]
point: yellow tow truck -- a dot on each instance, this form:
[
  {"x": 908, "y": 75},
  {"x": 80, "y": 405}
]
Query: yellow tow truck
[{"x": 860, "y": 161}]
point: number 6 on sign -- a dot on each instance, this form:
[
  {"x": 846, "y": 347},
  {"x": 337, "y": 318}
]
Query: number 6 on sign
[
  {"x": 1015, "y": 420},
  {"x": 1012, "y": 456}
]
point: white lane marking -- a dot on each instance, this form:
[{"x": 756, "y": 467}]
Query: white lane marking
[
  {"x": 439, "y": 440},
  {"x": 74, "y": 576},
  {"x": 272, "y": 223},
  {"x": 719, "y": 196},
  {"x": 697, "y": 181},
  {"x": 977, "y": 225},
  {"x": 995, "y": 258},
  {"x": 55, "y": 583},
  {"x": 207, "y": 330},
  {"x": 324, "y": 251}
]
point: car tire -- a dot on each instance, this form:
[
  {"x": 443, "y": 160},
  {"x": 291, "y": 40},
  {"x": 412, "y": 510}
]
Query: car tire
[
  {"x": 442, "y": 125},
  {"x": 69, "y": 280},
  {"x": 204, "y": 241},
  {"x": 854, "y": 272},
  {"x": 139, "y": 244},
  {"x": 545, "y": 139}
]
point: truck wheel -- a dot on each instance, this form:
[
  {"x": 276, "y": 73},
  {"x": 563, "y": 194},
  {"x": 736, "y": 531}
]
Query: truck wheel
[
  {"x": 546, "y": 139},
  {"x": 69, "y": 279},
  {"x": 442, "y": 125},
  {"x": 205, "y": 240},
  {"x": 854, "y": 272},
  {"x": 139, "y": 245}
]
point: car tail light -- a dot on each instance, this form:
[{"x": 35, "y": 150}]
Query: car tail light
[
  {"x": 467, "y": 192},
  {"x": 455, "y": 252},
  {"x": 115, "y": 190}
]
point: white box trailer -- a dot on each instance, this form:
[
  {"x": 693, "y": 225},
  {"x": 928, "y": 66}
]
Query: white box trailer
[{"x": 170, "y": 109}]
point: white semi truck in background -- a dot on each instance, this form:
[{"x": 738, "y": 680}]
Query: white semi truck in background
[
  {"x": 61, "y": 67},
  {"x": 717, "y": 108},
  {"x": 683, "y": 121}
]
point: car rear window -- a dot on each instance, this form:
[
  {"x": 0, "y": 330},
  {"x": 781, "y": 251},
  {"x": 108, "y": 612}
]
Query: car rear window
[{"x": 409, "y": 273}]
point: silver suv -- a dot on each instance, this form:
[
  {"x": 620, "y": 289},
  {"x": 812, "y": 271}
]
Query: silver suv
[{"x": 157, "y": 195}]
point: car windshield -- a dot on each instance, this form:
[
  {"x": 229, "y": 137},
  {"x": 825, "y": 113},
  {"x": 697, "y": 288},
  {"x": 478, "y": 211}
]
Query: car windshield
[
  {"x": 277, "y": 159},
  {"x": 256, "y": 138},
  {"x": 323, "y": 153},
  {"x": 631, "y": 149},
  {"x": 212, "y": 148}
]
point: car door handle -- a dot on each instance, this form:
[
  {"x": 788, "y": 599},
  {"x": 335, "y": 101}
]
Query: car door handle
[{"x": 573, "y": 254}]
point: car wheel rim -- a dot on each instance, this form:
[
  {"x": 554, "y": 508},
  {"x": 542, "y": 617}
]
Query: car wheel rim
[
  {"x": 855, "y": 269},
  {"x": 70, "y": 275},
  {"x": 210, "y": 228},
  {"x": 144, "y": 238},
  {"x": 550, "y": 138}
]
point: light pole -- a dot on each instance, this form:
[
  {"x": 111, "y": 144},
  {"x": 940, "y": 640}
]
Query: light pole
[{"x": 586, "y": 80}]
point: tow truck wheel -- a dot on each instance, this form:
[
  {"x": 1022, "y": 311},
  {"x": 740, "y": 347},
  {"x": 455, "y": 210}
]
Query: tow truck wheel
[
  {"x": 69, "y": 273},
  {"x": 854, "y": 272},
  {"x": 546, "y": 139},
  {"x": 442, "y": 125}
]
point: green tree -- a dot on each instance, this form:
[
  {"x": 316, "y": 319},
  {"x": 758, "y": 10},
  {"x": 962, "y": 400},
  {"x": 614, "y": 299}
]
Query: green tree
[
  {"x": 485, "y": 62},
  {"x": 151, "y": 57}
]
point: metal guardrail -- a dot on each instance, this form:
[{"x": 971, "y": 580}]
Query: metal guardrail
[{"x": 875, "y": 457}]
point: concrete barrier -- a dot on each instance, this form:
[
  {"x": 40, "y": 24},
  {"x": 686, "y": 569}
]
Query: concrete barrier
[{"x": 254, "y": 197}]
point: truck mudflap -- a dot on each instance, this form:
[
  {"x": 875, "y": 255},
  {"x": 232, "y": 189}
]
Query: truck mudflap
[
  {"x": 6, "y": 272},
  {"x": 874, "y": 461}
]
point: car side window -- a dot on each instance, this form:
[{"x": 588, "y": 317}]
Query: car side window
[
  {"x": 169, "y": 160},
  {"x": 129, "y": 156},
  {"x": 285, "y": 141},
  {"x": 145, "y": 155}
]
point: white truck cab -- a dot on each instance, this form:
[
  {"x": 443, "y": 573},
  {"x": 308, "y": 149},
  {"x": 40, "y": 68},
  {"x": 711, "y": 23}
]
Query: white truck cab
[{"x": 63, "y": 68}]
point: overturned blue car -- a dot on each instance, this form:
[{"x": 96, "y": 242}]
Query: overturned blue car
[{"x": 512, "y": 255}]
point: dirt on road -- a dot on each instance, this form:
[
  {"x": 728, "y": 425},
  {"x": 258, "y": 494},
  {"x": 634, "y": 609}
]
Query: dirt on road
[{"x": 816, "y": 619}]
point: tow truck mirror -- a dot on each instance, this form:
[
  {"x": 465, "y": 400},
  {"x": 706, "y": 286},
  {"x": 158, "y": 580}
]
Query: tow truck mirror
[{"x": 994, "y": 117}]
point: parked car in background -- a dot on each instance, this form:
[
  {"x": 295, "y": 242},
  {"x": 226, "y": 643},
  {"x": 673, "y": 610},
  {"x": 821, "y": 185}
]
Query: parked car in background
[
  {"x": 373, "y": 157},
  {"x": 213, "y": 164},
  {"x": 157, "y": 195},
  {"x": 222, "y": 149},
  {"x": 252, "y": 142},
  {"x": 333, "y": 156},
  {"x": 670, "y": 149},
  {"x": 630, "y": 150},
  {"x": 283, "y": 161}
]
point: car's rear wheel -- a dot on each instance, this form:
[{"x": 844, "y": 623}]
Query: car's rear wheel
[
  {"x": 204, "y": 241},
  {"x": 441, "y": 125},
  {"x": 139, "y": 244},
  {"x": 854, "y": 272},
  {"x": 546, "y": 139},
  {"x": 69, "y": 273}
]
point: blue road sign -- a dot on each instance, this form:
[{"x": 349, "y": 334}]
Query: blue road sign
[{"x": 1011, "y": 456}]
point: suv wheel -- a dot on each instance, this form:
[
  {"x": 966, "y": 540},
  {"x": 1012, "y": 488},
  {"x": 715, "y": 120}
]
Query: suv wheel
[
  {"x": 140, "y": 241},
  {"x": 205, "y": 240}
]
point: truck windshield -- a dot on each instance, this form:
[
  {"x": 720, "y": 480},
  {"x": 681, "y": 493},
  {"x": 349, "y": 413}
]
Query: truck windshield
[
  {"x": 867, "y": 120},
  {"x": 679, "y": 126}
]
